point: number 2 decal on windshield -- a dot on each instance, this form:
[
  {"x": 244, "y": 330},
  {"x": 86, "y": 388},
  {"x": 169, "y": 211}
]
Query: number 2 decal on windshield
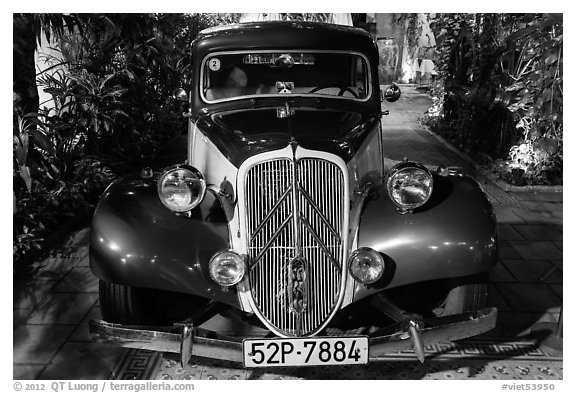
[{"x": 214, "y": 64}]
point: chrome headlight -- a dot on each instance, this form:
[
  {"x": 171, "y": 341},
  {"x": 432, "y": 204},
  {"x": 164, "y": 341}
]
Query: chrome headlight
[
  {"x": 227, "y": 268},
  {"x": 181, "y": 188},
  {"x": 409, "y": 185},
  {"x": 366, "y": 265}
]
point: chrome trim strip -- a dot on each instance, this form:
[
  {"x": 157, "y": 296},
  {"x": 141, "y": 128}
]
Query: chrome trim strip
[
  {"x": 321, "y": 244},
  {"x": 296, "y": 212},
  {"x": 324, "y": 220},
  {"x": 269, "y": 243},
  {"x": 270, "y": 213}
]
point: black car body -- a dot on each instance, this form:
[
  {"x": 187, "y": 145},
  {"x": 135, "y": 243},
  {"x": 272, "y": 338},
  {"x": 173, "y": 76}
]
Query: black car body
[{"x": 286, "y": 215}]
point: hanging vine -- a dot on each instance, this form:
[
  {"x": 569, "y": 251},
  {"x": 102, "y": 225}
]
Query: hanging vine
[{"x": 413, "y": 30}]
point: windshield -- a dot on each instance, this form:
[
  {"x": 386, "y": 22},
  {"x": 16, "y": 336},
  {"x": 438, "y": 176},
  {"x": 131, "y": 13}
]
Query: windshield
[{"x": 233, "y": 75}]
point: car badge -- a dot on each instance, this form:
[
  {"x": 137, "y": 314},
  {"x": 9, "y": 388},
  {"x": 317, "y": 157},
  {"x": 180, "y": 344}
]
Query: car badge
[{"x": 298, "y": 285}]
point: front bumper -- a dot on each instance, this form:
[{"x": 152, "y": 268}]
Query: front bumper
[{"x": 191, "y": 341}]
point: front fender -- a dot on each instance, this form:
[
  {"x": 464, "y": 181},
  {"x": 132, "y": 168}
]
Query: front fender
[
  {"x": 137, "y": 241},
  {"x": 453, "y": 234}
]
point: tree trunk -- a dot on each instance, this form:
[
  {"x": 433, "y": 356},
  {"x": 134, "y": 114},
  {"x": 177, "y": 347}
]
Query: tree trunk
[{"x": 24, "y": 80}]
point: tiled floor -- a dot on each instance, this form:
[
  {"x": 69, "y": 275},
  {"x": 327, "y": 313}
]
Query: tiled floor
[
  {"x": 53, "y": 304},
  {"x": 527, "y": 284}
]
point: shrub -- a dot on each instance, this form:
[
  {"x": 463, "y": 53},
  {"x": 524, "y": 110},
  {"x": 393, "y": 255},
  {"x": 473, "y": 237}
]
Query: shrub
[
  {"x": 112, "y": 111},
  {"x": 502, "y": 76}
]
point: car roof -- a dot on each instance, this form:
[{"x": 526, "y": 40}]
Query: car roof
[{"x": 283, "y": 35}]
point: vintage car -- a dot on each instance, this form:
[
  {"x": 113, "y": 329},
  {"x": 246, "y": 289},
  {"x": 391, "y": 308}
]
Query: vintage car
[{"x": 286, "y": 217}]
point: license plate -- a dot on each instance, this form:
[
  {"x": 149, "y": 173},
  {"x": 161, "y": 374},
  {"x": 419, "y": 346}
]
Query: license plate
[{"x": 313, "y": 351}]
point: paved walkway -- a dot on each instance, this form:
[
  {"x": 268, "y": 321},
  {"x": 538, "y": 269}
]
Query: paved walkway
[{"x": 53, "y": 303}]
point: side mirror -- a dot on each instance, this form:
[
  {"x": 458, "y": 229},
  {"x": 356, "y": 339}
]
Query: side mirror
[
  {"x": 180, "y": 95},
  {"x": 392, "y": 93}
]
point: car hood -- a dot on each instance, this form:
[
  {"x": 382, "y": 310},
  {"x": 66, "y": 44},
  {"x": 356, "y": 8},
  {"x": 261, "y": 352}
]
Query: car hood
[{"x": 244, "y": 133}]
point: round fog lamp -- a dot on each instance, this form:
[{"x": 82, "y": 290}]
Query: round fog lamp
[
  {"x": 227, "y": 268},
  {"x": 366, "y": 265}
]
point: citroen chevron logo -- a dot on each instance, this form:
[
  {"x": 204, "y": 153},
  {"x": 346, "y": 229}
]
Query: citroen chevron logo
[{"x": 298, "y": 285}]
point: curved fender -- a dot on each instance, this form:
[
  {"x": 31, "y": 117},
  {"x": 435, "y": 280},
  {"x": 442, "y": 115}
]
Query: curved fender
[
  {"x": 453, "y": 234},
  {"x": 137, "y": 241}
]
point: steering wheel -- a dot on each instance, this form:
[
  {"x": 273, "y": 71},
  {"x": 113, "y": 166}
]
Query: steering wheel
[{"x": 343, "y": 89}]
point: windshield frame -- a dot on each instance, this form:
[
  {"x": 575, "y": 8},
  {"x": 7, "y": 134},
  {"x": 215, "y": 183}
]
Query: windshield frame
[{"x": 204, "y": 65}]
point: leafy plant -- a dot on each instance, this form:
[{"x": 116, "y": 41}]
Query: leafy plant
[
  {"x": 113, "y": 109},
  {"x": 31, "y": 147},
  {"x": 502, "y": 77},
  {"x": 97, "y": 98}
]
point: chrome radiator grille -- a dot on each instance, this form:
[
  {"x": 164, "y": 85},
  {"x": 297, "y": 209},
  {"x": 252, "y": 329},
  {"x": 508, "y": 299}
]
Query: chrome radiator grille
[{"x": 295, "y": 210}]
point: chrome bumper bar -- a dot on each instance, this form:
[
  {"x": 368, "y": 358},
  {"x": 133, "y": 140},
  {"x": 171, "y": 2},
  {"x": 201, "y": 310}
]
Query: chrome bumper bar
[{"x": 189, "y": 341}]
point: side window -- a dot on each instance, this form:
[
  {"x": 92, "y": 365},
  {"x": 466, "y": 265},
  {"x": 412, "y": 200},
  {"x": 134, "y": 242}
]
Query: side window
[
  {"x": 206, "y": 80},
  {"x": 360, "y": 77}
]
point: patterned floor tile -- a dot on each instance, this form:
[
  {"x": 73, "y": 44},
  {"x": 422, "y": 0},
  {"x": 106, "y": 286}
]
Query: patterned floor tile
[
  {"x": 83, "y": 361},
  {"x": 63, "y": 308},
  {"x": 520, "y": 323},
  {"x": 539, "y": 232},
  {"x": 558, "y": 289},
  {"x": 220, "y": 370},
  {"x": 52, "y": 268},
  {"x": 171, "y": 369},
  {"x": 20, "y": 315},
  {"x": 550, "y": 197},
  {"x": 507, "y": 232},
  {"x": 81, "y": 333},
  {"x": 137, "y": 364},
  {"x": 75, "y": 248},
  {"x": 529, "y": 298},
  {"x": 38, "y": 343},
  {"x": 540, "y": 217},
  {"x": 533, "y": 271},
  {"x": 543, "y": 206},
  {"x": 495, "y": 299},
  {"x": 78, "y": 279},
  {"x": 31, "y": 293},
  {"x": 506, "y": 251},
  {"x": 272, "y": 375},
  {"x": 505, "y": 216},
  {"x": 500, "y": 273},
  {"x": 535, "y": 250},
  {"x": 559, "y": 263},
  {"x": 26, "y": 372},
  {"x": 531, "y": 370}
]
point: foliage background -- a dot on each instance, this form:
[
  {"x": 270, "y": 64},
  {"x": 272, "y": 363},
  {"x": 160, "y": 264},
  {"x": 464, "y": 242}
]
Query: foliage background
[
  {"x": 113, "y": 109},
  {"x": 500, "y": 93}
]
